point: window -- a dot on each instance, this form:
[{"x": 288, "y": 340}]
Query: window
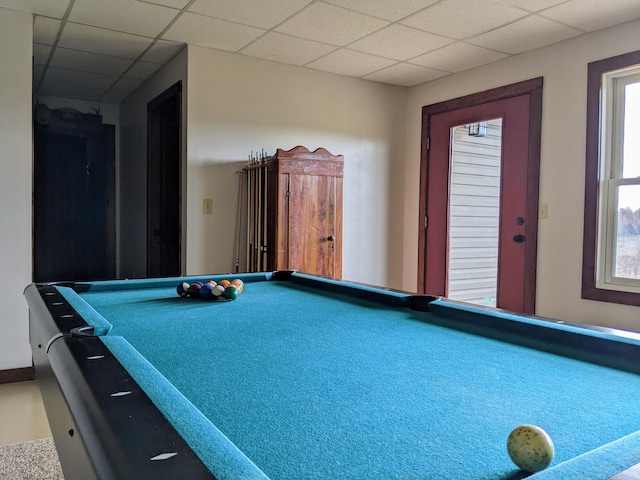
[{"x": 611, "y": 262}]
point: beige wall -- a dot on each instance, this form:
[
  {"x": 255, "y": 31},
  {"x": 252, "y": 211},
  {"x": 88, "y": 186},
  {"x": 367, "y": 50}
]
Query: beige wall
[
  {"x": 238, "y": 104},
  {"x": 15, "y": 186},
  {"x": 564, "y": 68}
]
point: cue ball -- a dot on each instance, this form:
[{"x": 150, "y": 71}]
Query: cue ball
[{"x": 530, "y": 448}]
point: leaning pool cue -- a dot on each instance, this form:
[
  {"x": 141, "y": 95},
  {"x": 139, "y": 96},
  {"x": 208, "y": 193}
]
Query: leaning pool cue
[
  {"x": 239, "y": 222},
  {"x": 258, "y": 216},
  {"x": 249, "y": 217},
  {"x": 265, "y": 238}
]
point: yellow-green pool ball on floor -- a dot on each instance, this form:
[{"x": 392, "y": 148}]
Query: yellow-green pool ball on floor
[{"x": 530, "y": 448}]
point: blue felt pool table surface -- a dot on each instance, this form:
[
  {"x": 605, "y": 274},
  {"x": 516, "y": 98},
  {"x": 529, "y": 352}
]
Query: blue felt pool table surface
[{"x": 316, "y": 383}]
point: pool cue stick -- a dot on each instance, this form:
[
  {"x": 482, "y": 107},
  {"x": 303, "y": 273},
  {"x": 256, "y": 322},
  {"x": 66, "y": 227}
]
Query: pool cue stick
[
  {"x": 254, "y": 208},
  {"x": 265, "y": 230},
  {"x": 250, "y": 216},
  {"x": 259, "y": 215},
  {"x": 239, "y": 222}
]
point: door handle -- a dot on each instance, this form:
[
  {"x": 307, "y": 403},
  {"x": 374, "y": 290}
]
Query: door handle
[
  {"x": 331, "y": 238},
  {"x": 518, "y": 238}
]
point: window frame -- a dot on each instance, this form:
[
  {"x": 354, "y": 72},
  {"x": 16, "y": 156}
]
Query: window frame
[{"x": 593, "y": 288}]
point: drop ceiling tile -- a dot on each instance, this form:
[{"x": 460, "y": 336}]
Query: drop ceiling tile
[
  {"x": 392, "y": 11},
  {"x": 592, "y": 15},
  {"x": 350, "y": 62},
  {"x": 77, "y": 79},
  {"x": 286, "y": 49},
  {"x": 123, "y": 16},
  {"x": 69, "y": 91},
  {"x": 457, "y": 57},
  {"x": 405, "y": 74},
  {"x": 463, "y": 18},
  {"x": 330, "y": 24},
  {"x": 89, "y": 62},
  {"x": 527, "y": 34},
  {"x": 100, "y": 40},
  {"x": 141, "y": 70},
  {"x": 211, "y": 32},
  {"x": 45, "y": 30},
  {"x": 48, "y": 8},
  {"x": 534, "y": 5},
  {"x": 41, "y": 53},
  {"x": 60, "y": 82},
  {"x": 121, "y": 90},
  {"x": 264, "y": 14},
  {"x": 399, "y": 42},
  {"x": 162, "y": 51},
  {"x": 179, "y": 4}
]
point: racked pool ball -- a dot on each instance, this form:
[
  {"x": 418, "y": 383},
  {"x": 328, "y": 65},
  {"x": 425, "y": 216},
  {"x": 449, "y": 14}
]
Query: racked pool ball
[
  {"x": 194, "y": 289},
  {"x": 231, "y": 292},
  {"x": 183, "y": 289},
  {"x": 205, "y": 290},
  {"x": 530, "y": 448},
  {"x": 217, "y": 290},
  {"x": 239, "y": 284}
]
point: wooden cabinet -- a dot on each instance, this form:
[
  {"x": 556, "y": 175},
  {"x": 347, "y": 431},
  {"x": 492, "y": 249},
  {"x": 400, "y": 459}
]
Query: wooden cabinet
[{"x": 297, "y": 218}]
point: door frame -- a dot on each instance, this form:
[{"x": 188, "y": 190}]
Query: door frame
[
  {"x": 158, "y": 200},
  {"x": 533, "y": 88}
]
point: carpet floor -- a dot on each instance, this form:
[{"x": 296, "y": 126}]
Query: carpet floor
[{"x": 34, "y": 460}]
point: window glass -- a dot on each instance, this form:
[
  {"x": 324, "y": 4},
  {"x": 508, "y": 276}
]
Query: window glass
[{"x": 631, "y": 151}]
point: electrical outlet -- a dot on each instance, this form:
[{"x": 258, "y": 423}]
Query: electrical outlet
[{"x": 207, "y": 206}]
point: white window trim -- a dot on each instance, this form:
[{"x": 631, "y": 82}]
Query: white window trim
[{"x": 610, "y": 178}]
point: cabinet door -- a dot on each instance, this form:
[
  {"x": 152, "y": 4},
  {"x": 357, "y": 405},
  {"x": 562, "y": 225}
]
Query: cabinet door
[{"x": 314, "y": 224}]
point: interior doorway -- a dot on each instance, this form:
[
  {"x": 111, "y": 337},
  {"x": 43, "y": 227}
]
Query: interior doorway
[
  {"x": 464, "y": 203},
  {"x": 164, "y": 183}
]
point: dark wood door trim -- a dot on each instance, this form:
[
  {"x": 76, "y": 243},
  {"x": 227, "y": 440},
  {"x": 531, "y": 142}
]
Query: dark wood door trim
[{"x": 533, "y": 88}]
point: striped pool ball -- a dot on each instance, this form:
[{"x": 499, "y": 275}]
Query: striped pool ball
[{"x": 183, "y": 289}]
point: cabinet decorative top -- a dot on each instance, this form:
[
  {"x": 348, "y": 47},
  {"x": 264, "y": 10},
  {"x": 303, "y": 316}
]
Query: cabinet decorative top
[{"x": 303, "y": 152}]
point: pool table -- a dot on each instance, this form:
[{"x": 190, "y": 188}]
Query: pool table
[{"x": 308, "y": 378}]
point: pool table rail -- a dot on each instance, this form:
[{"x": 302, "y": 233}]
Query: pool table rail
[{"x": 94, "y": 440}]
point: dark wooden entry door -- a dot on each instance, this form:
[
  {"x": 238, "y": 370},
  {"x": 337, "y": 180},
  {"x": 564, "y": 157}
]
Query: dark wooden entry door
[
  {"x": 164, "y": 174},
  {"x": 74, "y": 200},
  {"x": 519, "y": 108}
]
